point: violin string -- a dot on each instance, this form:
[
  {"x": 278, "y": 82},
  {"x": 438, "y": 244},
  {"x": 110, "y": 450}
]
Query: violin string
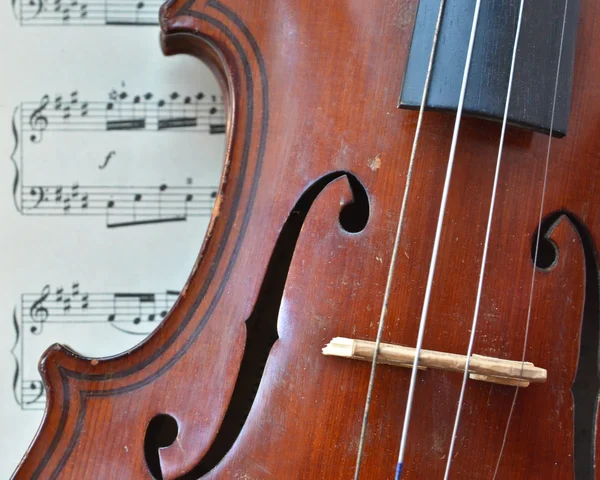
[
  {"x": 485, "y": 246},
  {"x": 436, "y": 244},
  {"x": 390, "y": 278},
  {"x": 538, "y": 236}
]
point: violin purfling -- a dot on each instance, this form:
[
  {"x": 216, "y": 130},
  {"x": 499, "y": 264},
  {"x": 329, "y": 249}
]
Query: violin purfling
[{"x": 323, "y": 101}]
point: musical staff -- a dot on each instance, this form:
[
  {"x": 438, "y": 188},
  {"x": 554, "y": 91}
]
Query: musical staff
[
  {"x": 86, "y": 13},
  {"x": 45, "y": 123},
  {"x": 120, "y": 310},
  {"x": 131, "y": 313},
  {"x": 33, "y": 395},
  {"x": 121, "y": 206},
  {"x": 123, "y": 112}
]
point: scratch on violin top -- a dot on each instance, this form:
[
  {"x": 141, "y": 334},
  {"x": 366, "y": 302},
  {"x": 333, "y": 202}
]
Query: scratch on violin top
[{"x": 180, "y": 445}]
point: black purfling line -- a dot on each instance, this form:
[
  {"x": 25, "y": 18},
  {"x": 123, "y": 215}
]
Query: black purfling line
[
  {"x": 60, "y": 428},
  {"x": 78, "y": 426}
]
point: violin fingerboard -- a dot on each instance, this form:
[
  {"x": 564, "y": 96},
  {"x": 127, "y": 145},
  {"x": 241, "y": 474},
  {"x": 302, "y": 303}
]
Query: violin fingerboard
[{"x": 534, "y": 82}]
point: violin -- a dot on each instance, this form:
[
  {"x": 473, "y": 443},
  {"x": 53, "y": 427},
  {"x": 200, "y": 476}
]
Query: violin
[{"x": 400, "y": 277}]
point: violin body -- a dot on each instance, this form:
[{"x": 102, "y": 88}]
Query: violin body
[{"x": 298, "y": 252}]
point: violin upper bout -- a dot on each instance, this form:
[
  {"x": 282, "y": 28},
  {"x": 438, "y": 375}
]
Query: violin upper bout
[
  {"x": 174, "y": 15},
  {"x": 197, "y": 17}
]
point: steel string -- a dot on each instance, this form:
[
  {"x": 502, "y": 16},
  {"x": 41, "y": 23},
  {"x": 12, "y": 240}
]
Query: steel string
[
  {"x": 537, "y": 243},
  {"x": 485, "y": 247},
  {"x": 436, "y": 244},
  {"x": 390, "y": 277}
]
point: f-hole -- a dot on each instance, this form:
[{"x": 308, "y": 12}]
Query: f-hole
[
  {"x": 161, "y": 432},
  {"x": 586, "y": 386},
  {"x": 261, "y": 326}
]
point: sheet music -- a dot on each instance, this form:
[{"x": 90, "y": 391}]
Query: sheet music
[
  {"x": 92, "y": 12},
  {"x": 112, "y": 158}
]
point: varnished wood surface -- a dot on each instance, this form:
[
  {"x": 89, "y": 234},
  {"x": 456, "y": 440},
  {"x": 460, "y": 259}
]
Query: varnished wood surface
[{"x": 313, "y": 88}]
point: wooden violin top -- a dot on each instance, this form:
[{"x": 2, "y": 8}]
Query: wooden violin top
[{"x": 234, "y": 385}]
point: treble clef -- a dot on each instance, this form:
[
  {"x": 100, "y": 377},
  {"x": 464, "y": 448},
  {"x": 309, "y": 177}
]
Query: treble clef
[
  {"x": 38, "y": 121},
  {"x": 38, "y": 312}
]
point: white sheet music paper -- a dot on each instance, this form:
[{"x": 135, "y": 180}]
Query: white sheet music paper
[{"x": 112, "y": 157}]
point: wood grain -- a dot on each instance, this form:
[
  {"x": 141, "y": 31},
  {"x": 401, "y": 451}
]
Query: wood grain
[{"x": 312, "y": 89}]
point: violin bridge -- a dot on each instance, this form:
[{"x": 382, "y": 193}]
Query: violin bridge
[{"x": 482, "y": 368}]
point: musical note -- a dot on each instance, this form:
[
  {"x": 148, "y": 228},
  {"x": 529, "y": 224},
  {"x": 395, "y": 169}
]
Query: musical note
[
  {"x": 92, "y": 12},
  {"x": 135, "y": 308},
  {"x": 127, "y": 312},
  {"x": 118, "y": 309},
  {"x": 216, "y": 122},
  {"x": 121, "y": 206},
  {"x": 189, "y": 198},
  {"x": 123, "y": 112},
  {"x": 33, "y": 393},
  {"x": 152, "y": 205},
  {"x": 170, "y": 297},
  {"x": 143, "y": 13}
]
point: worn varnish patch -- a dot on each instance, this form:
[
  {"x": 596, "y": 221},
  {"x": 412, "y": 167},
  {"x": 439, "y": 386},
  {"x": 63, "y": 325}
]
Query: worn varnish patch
[{"x": 374, "y": 163}]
